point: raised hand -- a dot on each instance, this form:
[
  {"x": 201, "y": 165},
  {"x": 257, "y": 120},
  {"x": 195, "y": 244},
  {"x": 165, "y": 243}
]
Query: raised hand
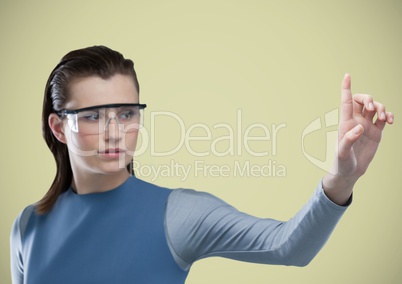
[{"x": 360, "y": 128}]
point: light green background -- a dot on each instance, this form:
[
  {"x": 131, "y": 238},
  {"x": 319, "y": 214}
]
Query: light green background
[{"x": 276, "y": 61}]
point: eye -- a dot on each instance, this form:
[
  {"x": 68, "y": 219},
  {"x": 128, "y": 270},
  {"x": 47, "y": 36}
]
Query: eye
[
  {"x": 127, "y": 114},
  {"x": 90, "y": 116}
]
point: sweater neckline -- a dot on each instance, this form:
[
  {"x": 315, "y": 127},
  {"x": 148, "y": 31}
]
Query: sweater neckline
[{"x": 109, "y": 192}]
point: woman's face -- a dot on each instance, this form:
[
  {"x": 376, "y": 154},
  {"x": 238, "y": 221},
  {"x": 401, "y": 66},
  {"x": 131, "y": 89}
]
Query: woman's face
[{"x": 108, "y": 152}]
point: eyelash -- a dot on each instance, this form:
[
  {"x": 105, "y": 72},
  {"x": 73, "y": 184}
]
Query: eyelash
[{"x": 95, "y": 116}]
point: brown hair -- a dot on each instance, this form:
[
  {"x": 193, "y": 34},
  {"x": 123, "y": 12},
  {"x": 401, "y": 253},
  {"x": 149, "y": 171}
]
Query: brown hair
[{"x": 91, "y": 61}]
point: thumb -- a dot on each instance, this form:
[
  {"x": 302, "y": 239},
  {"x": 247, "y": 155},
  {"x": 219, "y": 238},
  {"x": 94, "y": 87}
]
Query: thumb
[{"x": 348, "y": 140}]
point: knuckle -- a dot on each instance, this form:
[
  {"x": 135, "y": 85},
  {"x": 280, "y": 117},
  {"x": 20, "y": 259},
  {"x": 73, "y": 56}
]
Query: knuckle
[
  {"x": 380, "y": 106},
  {"x": 367, "y": 99},
  {"x": 360, "y": 171}
]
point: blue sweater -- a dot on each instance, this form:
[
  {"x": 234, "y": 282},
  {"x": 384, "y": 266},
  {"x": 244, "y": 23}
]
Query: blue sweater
[{"x": 142, "y": 233}]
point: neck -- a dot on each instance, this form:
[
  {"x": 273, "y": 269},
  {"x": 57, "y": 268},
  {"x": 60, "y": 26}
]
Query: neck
[{"x": 97, "y": 183}]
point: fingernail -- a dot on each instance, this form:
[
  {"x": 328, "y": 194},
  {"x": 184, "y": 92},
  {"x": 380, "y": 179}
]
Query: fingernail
[
  {"x": 382, "y": 116},
  {"x": 371, "y": 106},
  {"x": 358, "y": 129}
]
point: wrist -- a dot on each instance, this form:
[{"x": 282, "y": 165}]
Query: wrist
[{"x": 338, "y": 188}]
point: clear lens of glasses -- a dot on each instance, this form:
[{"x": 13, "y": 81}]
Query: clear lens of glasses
[{"x": 98, "y": 120}]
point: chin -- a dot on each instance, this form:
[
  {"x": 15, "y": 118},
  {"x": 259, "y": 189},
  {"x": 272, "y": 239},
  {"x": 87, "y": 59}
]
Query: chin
[{"x": 110, "y": 168}]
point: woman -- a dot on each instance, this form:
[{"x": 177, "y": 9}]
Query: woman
[{"x": 98, "y": 223}]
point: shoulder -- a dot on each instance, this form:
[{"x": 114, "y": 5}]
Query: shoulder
[
  {"x": 193, "y": 199},
  {"x": 190, "y": 216},
  {"x": 188, "y": 205},
  {"x": 21, "y": 222},
  {"x": 146, "y": 186}
]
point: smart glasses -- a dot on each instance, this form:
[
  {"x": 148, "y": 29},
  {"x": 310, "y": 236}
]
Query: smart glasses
[{"x": 96, "y": 119}]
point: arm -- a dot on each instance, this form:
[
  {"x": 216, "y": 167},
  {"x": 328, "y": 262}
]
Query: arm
[
  {"x": 199, "y": 225},
  {"x": 17, "y": 273},
  {"x": 358, "y": 140},
  {"x": 17, "y": 233}
]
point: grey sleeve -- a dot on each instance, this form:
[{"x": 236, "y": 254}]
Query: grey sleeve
[
  {"x": 199, "y": 225},
  {"x": 16, "y": 236}
]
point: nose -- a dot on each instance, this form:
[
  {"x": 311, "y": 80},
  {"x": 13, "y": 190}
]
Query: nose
[{"x": 112, "y": 130}]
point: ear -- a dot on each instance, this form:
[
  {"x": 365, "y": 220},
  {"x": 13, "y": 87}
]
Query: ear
[{"x": 57, "y": 126}]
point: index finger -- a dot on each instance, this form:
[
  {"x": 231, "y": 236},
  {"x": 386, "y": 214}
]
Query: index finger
[{"x": 346, "y": 99}]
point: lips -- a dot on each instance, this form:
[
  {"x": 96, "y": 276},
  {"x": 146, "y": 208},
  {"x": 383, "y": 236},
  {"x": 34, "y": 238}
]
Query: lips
[{"x": 112, "y": 153}]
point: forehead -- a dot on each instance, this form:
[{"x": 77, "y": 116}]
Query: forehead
[{"x": 94, "y": 90}]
